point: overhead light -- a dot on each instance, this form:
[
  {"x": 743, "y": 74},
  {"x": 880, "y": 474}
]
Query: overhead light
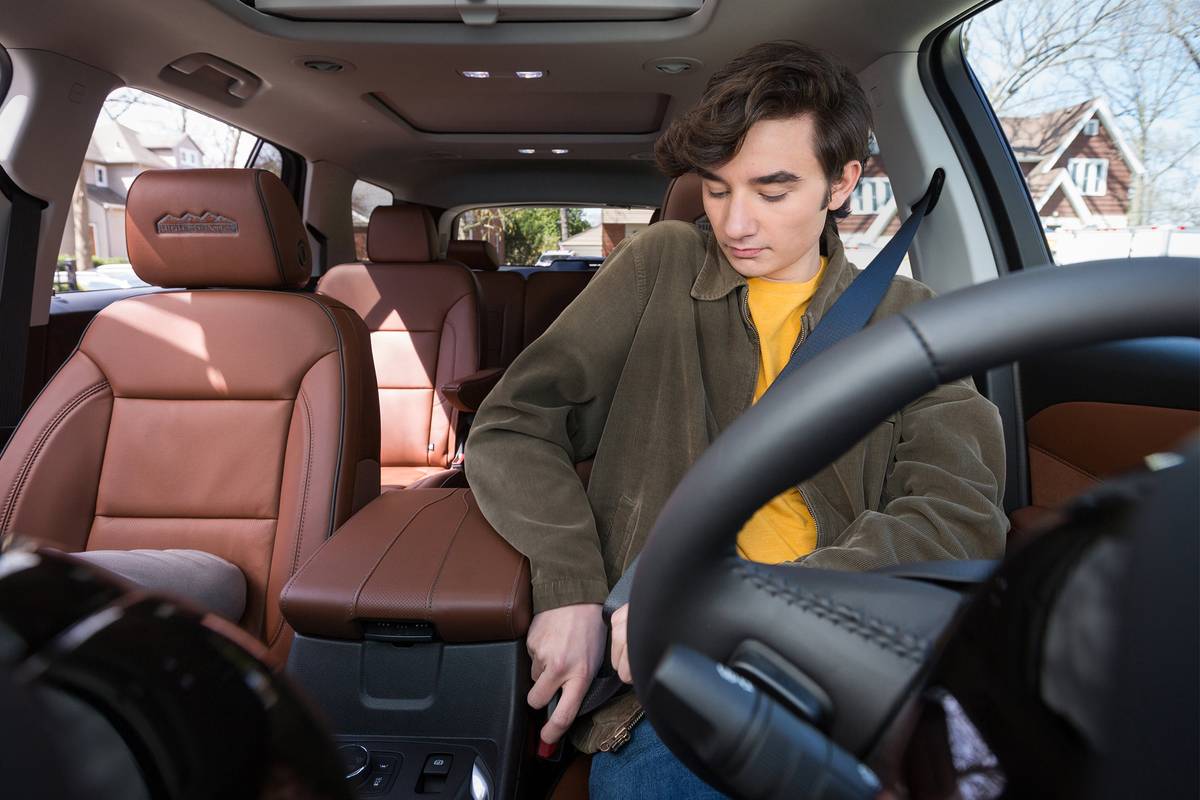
[
  {"x": 531, "y": 74},
  {"x": 475, "y": 73},
  {"x": 526, "y": 151},
  {"x": 323, "y": 66},
  {"x": 560, "y": 151}
]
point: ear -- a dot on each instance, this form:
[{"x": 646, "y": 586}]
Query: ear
[{"x": 841, "y": 188}]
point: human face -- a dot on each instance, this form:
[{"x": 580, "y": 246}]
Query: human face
[{"x": 767, "y": 204}]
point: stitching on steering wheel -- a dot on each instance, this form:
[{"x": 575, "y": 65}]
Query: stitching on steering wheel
[
  {"x": 890, "y": 637},
  {"x": 933, "y": 362}
]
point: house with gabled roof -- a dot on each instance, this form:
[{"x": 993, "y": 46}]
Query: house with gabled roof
[
  {"x": 1080, "y": 170},
  {"x": 116, "y": 155}
]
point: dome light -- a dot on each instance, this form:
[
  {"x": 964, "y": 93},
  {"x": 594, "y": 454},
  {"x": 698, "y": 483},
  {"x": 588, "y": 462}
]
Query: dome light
[
  {"x": 531, "y": 74},
  {"x": 475, "y": 73}
]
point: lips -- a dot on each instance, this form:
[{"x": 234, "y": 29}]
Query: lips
[{"x": 746, "y": 252}]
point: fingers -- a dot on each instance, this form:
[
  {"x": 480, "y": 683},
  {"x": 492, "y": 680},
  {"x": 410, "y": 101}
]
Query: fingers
[
  {"x": 621, "y": 664},
  {"x": 544, "y": 687},
  {"x": 620, "y": 649},
  {"x": 568, "y": 706}
]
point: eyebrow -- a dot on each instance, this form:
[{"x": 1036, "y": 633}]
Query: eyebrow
[{"x": 782, "y": 176}]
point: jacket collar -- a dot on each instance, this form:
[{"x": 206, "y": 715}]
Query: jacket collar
[{"x": 717, "y": 278}]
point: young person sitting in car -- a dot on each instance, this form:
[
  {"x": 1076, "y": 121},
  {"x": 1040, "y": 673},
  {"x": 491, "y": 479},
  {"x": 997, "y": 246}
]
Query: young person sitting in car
[{"x": 678, "y": 334}]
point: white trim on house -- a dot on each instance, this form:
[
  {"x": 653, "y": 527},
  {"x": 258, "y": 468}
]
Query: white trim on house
[
  {"x": 1100, "y": 109},
  {"x": 1073, "y": 195},
  {"x": 1090, "y": 175}
]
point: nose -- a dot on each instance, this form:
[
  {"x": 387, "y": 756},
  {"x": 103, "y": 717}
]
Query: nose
[{"x": 739, "y": 218}]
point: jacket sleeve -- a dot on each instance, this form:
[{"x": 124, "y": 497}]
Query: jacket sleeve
[
  {"x": 942, "y": 494},
  {"x": 546, "y": 414}
]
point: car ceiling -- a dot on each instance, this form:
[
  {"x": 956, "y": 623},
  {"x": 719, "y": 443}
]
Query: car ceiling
[{"x": 401, "y": 115}]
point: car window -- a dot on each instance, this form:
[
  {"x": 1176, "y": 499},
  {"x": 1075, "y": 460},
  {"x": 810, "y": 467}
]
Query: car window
[
  {"x": 135, "y": 131},
  {"x": 364, "y": 199},
  {"x": 269, "y": 158},
  {"x": 537, "y": 236},
  {"x": 1098, "y": 101}
]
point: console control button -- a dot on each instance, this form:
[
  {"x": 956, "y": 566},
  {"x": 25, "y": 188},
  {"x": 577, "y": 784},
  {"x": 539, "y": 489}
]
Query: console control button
[
  {"x": 383, "y": 763},
  {"x": 438, "y": 764}
]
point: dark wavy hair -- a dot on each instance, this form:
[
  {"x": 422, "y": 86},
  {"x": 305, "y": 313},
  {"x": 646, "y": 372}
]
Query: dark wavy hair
[{"x": 774, "y": 80}]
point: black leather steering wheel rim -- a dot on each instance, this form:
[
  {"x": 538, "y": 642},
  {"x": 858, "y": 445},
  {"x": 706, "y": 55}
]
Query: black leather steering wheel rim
[{"x": 864, "y": 638}]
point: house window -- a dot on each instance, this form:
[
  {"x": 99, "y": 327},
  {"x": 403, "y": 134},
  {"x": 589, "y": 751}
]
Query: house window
[
  {"x": 101, "y": 176},
  {"x": 870, "y": 195},
  {"x": 1090, "y": 175},
  {"x": 189, "y": 158},
  {"x": 1091, "y": 127}
]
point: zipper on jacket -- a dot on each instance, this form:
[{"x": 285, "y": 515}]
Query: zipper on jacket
[{"x": 621, "y": 736}]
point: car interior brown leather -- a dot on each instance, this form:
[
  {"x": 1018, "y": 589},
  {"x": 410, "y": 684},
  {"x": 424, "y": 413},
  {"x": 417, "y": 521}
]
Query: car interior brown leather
[
  {"x": 1073, "y": 446},
  {"x": 424, "y": 323},
  {"x": 684, "y": 201},
  {"x": 502, "y": 301},
  {"x": 467, "y": 393},
  {"x": 239, "y": 423},
  {"x": 425, "y": 555}
]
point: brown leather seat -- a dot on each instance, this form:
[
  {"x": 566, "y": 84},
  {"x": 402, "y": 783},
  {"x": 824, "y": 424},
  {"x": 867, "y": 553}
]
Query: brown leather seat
[
  {"x": 683, "y": 200},
  {"x": 546, "y": 295},
  {"x": 502, "y": 301},
  {"x": 239, "y": 423},
  {"x": 424, "y": 322}
]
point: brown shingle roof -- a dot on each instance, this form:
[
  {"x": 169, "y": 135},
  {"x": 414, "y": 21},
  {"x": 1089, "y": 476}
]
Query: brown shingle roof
[{"x": 1040, "y": 135}]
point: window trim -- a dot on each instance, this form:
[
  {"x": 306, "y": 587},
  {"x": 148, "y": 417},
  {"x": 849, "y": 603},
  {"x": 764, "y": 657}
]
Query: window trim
[
  {"x": 102, "y": 176},
  {"x": 1084, "y": 165},
  {"x": 858, "y": 208},
  {"x": 1091, "y": 127}
]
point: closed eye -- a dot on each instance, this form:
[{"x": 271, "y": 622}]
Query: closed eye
[
  {"x": 773, "y": 198},
  {"x": 718, "y": 195}
]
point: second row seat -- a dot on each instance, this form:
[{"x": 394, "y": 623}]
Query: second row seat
[{"x": 424, "y": 322}]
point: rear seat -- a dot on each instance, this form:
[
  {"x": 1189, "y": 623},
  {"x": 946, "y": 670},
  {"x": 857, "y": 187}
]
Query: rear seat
[
  {"x": 424, "y": 322},
  {"x": 502, "y": 296}
]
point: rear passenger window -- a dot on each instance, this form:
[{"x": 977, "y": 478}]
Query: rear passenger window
[
  {"x": 270, "y": 159},
  {"x": 526, "y": 236},
  {"x": 365, "y": 198},
  {"x": 1099, "y": 101},
  {"x": 136, "y": 131}
]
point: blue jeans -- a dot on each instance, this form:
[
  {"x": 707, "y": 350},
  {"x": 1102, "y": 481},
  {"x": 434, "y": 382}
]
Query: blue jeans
[{"x": 644, "y": 769}]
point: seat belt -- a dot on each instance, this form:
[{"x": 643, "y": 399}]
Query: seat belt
[{"x": 847, "y": 316}]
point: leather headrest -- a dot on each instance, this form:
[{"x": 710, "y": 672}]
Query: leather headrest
[
  {"x": 401, "y": 233},
  {"x": 683, "y": 200},
  {"x": 476, "y": 254},
  {"x": 194, "y": 228}
]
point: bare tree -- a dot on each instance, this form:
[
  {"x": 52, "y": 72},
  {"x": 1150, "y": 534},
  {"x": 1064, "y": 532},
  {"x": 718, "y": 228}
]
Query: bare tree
[
  {"x": 1039, "y": 39},
  {"x": 79, "y": 216},
  {"x": 1147, "y": 78}
]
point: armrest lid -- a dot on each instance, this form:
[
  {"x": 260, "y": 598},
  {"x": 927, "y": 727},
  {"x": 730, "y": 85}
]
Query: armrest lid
[
  {"x": 414, "y": 555},
  {"x": 466, "y": 393}
]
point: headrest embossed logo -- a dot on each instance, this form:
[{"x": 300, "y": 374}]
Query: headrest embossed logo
[{"x": 207, "y": 223}]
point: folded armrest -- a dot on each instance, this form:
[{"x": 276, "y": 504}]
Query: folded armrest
[
  {"x": 419, "y": 555},
  {"x": 467, "y": 392}
]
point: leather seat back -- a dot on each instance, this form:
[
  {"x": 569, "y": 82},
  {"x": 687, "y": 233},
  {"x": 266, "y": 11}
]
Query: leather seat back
[
  {"x": 546, "y": 295},
  {"x": 240, "y": 423},
  {"x": 502, "y": 301},
  {"x": 424, "y": 323}
]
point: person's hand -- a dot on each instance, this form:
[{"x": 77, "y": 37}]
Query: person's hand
[
  {"x": 566, "y": 645},
  {"x": 620, "y": 644}
]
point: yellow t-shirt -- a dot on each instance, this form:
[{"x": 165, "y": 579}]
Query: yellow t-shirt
[{"x": 783, "y": 529}]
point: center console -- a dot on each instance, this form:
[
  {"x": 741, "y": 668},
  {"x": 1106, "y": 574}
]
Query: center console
[{"x": 410, "y": 623}]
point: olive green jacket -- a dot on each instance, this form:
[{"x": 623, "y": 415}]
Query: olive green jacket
[{"x": 651, "y": 362}]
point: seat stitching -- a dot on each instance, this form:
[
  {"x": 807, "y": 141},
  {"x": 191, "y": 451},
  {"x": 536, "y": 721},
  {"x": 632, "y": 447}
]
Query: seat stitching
[
  {"x": 445, "y": 556},
  {"x": 14, "y": 495},
  {"x": 302, "y": 396},
  {"x": 400, "y": 532},
  {"x": 906, "y": 645}
]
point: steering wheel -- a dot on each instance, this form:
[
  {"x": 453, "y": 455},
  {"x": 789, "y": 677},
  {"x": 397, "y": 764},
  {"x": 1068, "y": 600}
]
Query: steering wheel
[{"x": 839, "y": 652}]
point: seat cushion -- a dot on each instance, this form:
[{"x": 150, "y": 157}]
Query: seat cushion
[{"x": 208, "y": 581}]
